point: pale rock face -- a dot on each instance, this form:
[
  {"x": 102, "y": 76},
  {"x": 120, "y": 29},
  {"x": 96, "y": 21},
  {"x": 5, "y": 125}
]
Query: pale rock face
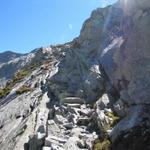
[
  {"x": 131, "y": 6},
  {"x": 103, "y": 102},
  {"x": 129, "y": 67},
  {"x": 119, "y": 108}
]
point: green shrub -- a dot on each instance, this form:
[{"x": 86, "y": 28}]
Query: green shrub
[
  {"x": 32, "y": 66},
  {"x": 19, "y": 76},
  {"x": 101, "y": 145},
  {"x": 5, "y": 91},
  {"x": 115, "y": 119},
  {"x": 23, "y": 89}
]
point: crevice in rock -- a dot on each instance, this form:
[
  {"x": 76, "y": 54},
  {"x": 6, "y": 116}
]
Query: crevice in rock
[{"x": 109, "y": 87}]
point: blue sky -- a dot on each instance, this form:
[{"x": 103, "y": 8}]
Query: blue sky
[{"x": 28, "y": 24}]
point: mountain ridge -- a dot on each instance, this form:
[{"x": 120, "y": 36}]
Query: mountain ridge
[{"x": 8, "y": 55}]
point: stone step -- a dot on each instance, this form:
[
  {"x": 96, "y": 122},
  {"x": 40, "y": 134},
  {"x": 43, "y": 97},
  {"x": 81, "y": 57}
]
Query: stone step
[
  {"x": 72, "y": 100},
  {"x": 73, "y": 105},
  {"x": 54, "y": 140}
]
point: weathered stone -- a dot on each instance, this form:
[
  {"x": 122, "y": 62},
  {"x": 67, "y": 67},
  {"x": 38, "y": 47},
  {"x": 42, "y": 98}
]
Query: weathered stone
[
  {"x": 46, "y": 148},
  {"x": 51, "y": 122},
  {"x": 119, "y": 108},
  {"x": 83, "y": 121},
  {"x": 53, "y": 128},
  {"x": 89, "y": 141},
  {"x": 72, "y": 118},
  {"x": 56, "y": 147},
  {"x": 54, "y": 140},
  {"x": 35, "y": 143},
  {"x": 72, "y": 144},
  {"x": 132, "y": 131},
  {"x": 74, "y": 105},
  {"x": 74, "y": 110},
  {"x": 60, "y": 119},
  {"x": 86, "y": 112},
  {"x": 103, "y": 102},
  {"x": 81, "y": 144},
  {"x": 72, "y": 100},
  {"x": 68, "y": 125}
]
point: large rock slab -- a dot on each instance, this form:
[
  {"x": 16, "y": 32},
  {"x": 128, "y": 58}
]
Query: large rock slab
[{"x": 132, "y": 132}]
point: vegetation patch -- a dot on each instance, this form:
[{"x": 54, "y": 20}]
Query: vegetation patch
[
  {"x": 23, "y": 89},
  {"x": 19, "y": 76},
  {"x": 5, "y": 91},
  {"x": 101, "y": 145},
  {"x": 104, "y": 143},
  {"x": 115, "y": 119}
]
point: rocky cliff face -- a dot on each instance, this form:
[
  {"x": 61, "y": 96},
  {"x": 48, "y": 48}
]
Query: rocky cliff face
[{"x": 91, "y": 93}]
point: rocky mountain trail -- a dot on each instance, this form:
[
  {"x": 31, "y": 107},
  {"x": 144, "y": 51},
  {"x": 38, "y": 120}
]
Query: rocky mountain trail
[
  {"x": 91, "y": 93},
  {"x": 42, "y": 122},
  {"x": 68, "y": 126}
]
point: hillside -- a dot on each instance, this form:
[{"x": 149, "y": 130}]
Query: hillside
[{"x": 8, "y": 55}]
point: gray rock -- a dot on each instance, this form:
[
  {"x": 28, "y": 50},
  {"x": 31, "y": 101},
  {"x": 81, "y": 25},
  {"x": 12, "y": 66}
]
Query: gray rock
[
  {"x": 51, "y": 122},
  {"x": 60, "y": 119},
  {"x": 53, "y": 129},
  {"x": 72, "y": 100},
  {"x": 74, "y": 110},
  {"x": 68, "y": 125},
  {"x": 135, "y": 124},
  {"x": 72, "y": 118},
  {"x": 56, "y": 147},
  {"x": 83, "y": 121},
  {"x": 35, "y": 143},
  {"x": 46, "y": 148},
  {"x": 72, "y": 143},
  {"x": 55, "y": 140},
  {"x": 74, "y": 105},
  {"x": 103, "y": 102},
  {"x": 86, "y": 112},
  {"x": 119, "y": 108}
]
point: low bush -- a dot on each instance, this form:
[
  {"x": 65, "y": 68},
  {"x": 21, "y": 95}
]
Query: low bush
[
  {"x": 19, "y": 76},
  {"x": 5, "y": 91},
  {"x": 101, "y": 145},
  {"x": 23, "y": 89},
  {"x": 115, "y": 119}
]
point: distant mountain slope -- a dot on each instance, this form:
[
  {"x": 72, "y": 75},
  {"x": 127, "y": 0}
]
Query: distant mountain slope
[
  {"x": 8, "y": 55},
  {"x": 11, "y": 67}
]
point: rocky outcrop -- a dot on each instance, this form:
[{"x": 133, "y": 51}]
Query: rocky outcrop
[
  {"x": 129, "y": 70},
  {"x": 9, "y": 68},
  {"x": 111, "y": 55},
  {"x": 24, "y": 114},
  {"x": 28, "y": 62},
  {"x": 77, "y": 76}
]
